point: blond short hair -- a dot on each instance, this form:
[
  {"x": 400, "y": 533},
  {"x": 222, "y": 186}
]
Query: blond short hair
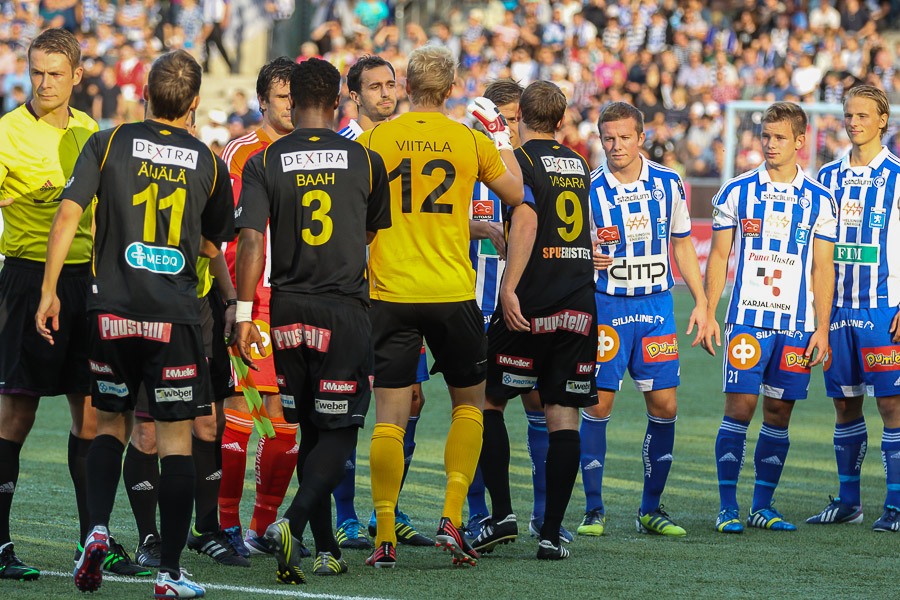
[
  {"x": 872, "y": 93},
  {"x": 430, "y": 72}
]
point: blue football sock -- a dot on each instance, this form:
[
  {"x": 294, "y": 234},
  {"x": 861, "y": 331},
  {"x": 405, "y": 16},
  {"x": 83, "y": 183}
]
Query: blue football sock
[
  {"x": 850, "y": 443},
  {"x": 538, "y": 441},
  {"x": 593, "y": 457},
  {"x": 731, "y": 447},
  {"x": 771, "y": 452},
  {"x": 409, "y": 448},
  {"x": 345, "y": 492},
  {"x": 659, "y": 441},
  {"x": 890, "y": 456},
  {"x": 476, "y": 496}
]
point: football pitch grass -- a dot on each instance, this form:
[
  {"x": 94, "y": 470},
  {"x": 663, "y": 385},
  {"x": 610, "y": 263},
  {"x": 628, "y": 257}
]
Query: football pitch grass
[{"x": 848, "y": 561}]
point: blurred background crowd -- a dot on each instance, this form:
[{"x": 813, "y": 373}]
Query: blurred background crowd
[{"x": 679, "y": 61}]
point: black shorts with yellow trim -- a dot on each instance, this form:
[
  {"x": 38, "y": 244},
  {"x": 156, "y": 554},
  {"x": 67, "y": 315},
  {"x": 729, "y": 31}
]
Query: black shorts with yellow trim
[
  {"x": 167, "y": 359},
  {"x": 454, "y": 332},
  {"x": 557, "y": 355},
  {"x": 28, "y": 364},
  {"x": 322, "y": 347}
]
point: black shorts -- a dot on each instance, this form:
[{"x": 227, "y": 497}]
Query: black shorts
[
  {"x": 165, "y": 358},
  {"x": 323, "y": 358},
  {"x": 212, "y": 329},
  {"x": 557, "y": 355},
  {"x": 28, "y": 364},
  {"x": 454, "y": 332}
]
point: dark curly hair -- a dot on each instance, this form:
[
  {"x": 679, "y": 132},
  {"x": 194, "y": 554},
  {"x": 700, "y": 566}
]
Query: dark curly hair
[
  {"x": 354, "y": 75},
  {"x": 315, "y": 83}
]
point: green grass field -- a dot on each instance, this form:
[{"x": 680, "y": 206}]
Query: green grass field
[{"x": 844, "y": 561}]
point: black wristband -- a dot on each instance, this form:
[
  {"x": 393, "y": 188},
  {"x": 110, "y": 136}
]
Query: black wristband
[{"x": 231, "y": 302}]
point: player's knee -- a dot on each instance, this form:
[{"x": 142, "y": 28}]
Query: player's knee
[
  {"x": 205, "y": 428},
  {"x": 849, "y": 409},
  {"x": 492, "y": 403},
  {"x": 889, "y": 408},
  {"x": 777, "y": 412},
  {"x": 143, "y": 436}
]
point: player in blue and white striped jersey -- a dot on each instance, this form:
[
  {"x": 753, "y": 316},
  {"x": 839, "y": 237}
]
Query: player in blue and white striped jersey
[
  {"x": 487, "y": 252},
  {"x": 866, "y": 186},
  {"x": 637, "y": 207},
  {"x": 782, "y": 225},
  {"x": 373, "y": 87}
]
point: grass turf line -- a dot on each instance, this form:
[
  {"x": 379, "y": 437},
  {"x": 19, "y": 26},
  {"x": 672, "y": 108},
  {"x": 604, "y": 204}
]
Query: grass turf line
[{"x": 839, "y": 560}]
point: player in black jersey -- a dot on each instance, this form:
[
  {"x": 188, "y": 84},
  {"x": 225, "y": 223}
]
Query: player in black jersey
[
  {"x": 324, "y": 198},
  {"x": 164, "y": 197},
  {"x": 544, "y": 334}
]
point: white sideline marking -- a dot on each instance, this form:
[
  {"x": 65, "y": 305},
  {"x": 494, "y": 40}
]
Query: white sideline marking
[{"x": 228, "y": 588}]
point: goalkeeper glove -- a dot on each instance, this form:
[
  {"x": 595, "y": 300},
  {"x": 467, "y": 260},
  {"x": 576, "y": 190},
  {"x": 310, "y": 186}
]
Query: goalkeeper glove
[{"x": 484, "y": 113}]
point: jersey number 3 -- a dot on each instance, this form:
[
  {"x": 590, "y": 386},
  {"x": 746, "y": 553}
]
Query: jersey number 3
[{"x": 430, "y": 204}]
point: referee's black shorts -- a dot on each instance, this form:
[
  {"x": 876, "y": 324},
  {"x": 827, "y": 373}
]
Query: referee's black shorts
[
  {"x": 28, "y": 363},
  {"x": 454, "y": 332}
]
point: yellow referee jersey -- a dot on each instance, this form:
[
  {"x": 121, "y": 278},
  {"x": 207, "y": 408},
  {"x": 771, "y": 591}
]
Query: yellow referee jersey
[
  {"x": 433, "y": 164},
  {"x": 36, "y": 161}
]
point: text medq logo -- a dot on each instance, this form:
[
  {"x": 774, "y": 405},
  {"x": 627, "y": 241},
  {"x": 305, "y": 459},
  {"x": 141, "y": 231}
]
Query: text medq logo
[
  {"x": 162, "y": 261},
  {"x": 340, "y": 387}
]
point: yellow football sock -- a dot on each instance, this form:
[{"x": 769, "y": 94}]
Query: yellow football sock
[
  {"x": 461, "y": 458},
  {"x": 386, "y": 466}
]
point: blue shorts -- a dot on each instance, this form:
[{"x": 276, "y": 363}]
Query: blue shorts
[
  {"x": 868, "y": 359},
  {"x": 766, "y": 361},
  {"x": 422, "y": 369},
  {"x": 637, "y": 333}
]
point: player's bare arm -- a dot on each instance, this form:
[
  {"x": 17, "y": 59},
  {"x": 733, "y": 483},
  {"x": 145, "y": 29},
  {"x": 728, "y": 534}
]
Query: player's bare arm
[
  {"x": 686, "y": 258},
  {"x": 486, "y": 230},
  {"x": 62, "y": 232},
  {"x": 249, "y": 266},
  {"x": 522, "y": 231},
  {"x": 716, "y": 273},
  {"x": 208, "y": 249},
  {"x": 823, "y": 295}
]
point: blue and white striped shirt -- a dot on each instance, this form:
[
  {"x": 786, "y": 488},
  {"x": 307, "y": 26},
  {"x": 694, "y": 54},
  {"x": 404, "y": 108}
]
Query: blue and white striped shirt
[
  {"x": 775, "y": 225},
  {"x": 633, "y": 223},
  {"x": 867, "y": 253},
  {"x": 485, "y": 260},
  {"x": 352, "y": 130}
]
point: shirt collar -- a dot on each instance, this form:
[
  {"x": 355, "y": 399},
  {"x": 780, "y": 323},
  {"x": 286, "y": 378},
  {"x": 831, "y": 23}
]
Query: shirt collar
[
  {"x": 764, "y": 177},
  {"x": 614, "y": 183},
  {"x": 879, "y": 158}
]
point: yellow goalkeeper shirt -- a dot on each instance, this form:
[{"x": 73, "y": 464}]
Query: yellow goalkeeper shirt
[
  {"x": 36, "y": 161},
  {"x": 433, "y": 164}
]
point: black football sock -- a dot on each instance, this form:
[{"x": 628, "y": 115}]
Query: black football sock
[
  {"x": 104, "y": 465},
  {"x": 9, "y": 476},
  {"x": 78, "y": 449},
  {"x": 563, "y": 462},
  {"x": 206, "y": 486},
  {"x": 494, "y": 463},
  {"x": 320, "y": 525},
  {"x": 176, "y": 503},
  {"x": 140, "y": 472},
  {"x": 320, "y": 473}
]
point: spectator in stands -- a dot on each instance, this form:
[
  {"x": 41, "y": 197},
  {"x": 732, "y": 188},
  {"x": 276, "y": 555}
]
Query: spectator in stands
[{"x": 243, "y": 112}]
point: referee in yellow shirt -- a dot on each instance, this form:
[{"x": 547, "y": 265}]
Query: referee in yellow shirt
[
  {"x": 422, "y": 284},
  {"x": 39, "y": 143}
]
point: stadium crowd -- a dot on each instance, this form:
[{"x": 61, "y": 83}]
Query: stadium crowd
[{"x": 678, "y": 61}]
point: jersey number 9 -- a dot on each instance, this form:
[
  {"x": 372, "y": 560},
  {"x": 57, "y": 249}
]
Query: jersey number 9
[{"x": 573, "y": 220}]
